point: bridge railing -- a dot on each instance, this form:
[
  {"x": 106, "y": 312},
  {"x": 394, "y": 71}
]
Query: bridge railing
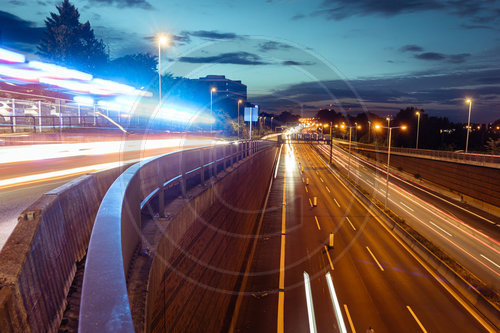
[{"x": 117, "y": 228}]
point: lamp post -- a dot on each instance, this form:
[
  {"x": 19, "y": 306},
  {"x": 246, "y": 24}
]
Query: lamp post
[
  {"x": 389, "y": 129},
  {"x": 468, "y": 125},
  {"x": 369, "y": 131},
  {"x": 356, "y": 126},
  {"x": 212, "y": 90},
  {"x": 239, "y": 102},
  {"x": 331, "y": 142},
  {"x": 162, "y": 40},
  {"x": 418, "y": 127},
  {"x": 272, "y": 124}
]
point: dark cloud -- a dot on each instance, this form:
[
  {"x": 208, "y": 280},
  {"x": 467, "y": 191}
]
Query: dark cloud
[
  {"x": 452, "y": 58},
  {"x": 144, "y": 4},
  {"x": 341, "y": 9},
  {"x": 236, "y": 58},
  {"x": 431, "y": 92},
  {"x": 296, "y": 63},
  {"x": 298, "y": 17},
  {"x": 16, "y": 2},
  {"x": 212, "y": 35},
  {"x": 476, "y": 26},
  {"x": 430, "y": 56},
  {"x": 272, "y": 45},
  {"x": 411, "y": 48},
  {"x": 18, "y": 33}
]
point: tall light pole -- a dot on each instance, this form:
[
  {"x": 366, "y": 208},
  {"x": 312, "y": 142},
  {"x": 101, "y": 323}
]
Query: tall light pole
[
  {"x": 418, "y": 127},
  {"x": 468, "y": 125},
  {"x": 212, "y": 90},
  {"x": 356, "y": 126},
  {"x": 388, "y": 125},
  {"x": 331, "y": 142},
  {"x": 369, "y": 130},
  {"x": 389, "y": 129},
  {"x": 239, "y": 102},
  {"x": 162, "y": 40},
  {"x": 272, "y": 124}
]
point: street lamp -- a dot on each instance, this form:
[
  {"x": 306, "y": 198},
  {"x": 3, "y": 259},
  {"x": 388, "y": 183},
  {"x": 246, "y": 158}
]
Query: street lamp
[
  {"x": 418, "y": 127},
  {"x": 369, "y": 130},
  {"x": 356, "y": 126},
  {"x": 212, "y": 90},
  {"x": 162, "y": 40},
  {"x": 468, "y": 125},
  {"x": 272, "y": 124},
  {"x": 239, "y": 102},
  {"x": 403, "y": 127}
]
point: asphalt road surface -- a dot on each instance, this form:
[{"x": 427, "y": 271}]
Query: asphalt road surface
[{"x": 296, "y": 283}]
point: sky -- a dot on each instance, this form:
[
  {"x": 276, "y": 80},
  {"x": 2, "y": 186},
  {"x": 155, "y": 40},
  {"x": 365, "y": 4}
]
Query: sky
[{"x": 303, "y": 55}]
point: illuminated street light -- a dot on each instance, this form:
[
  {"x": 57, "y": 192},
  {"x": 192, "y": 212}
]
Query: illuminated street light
[
  {"x": 403, "y": 127},
  {"x": 212, "y": 90},
  {"x": 162, "y": 40},
  {"x": 418, "y": 127},
  {"x": 239, "y": 102},
  {"x": 356, "y": 126},
  {"x": 468, "y": 125}
]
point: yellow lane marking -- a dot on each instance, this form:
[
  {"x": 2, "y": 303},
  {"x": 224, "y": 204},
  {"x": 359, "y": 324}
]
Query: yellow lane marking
[
  {"x": 352, "y": 225},
  {"x": 349, "y": 318},
  {"x": 329, "y": 259},
  {"x": 379, "y": 265},
  {"x": 416, "y": 319},
  {"x": 336, "y": 202},
  {"x": 316, "y": 218}
]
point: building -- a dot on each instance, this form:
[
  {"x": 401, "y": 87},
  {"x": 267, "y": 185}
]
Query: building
[{"x": 227, "y": 94}]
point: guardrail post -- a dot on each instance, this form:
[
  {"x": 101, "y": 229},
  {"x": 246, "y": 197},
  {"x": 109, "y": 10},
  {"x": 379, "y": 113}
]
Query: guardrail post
[
  {"x": 224, "y": 158},
  {"x": 40, "y": 116},
  {"x": 13, "y": 119},
  {"x": 34, "y": 124}
]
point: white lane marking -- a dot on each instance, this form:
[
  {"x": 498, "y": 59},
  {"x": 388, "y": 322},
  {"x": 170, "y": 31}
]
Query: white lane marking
[
  {"x": 329, "y": 259},
  {"x": 352, "y": 225},
  {"x": 336, "y": 202},
  {"x": 446, "y": 232},
  {"x": 407, "y": 206},
  {"x": 321, "y": 179},
  {"x": 327, "y": 189},
  {"x": 349, "y": 318},
  {"x": 494, "y": 263},
  {"x": 310, "y": 305},
  {"x": 278, "y": 163},
  {"x": 310, "y": 202},
  {"x": 335, "y": 302},
  {"x": 416, "y": 319},
  {"x": 379, "y": 266},
  {"x": 317, "y": 172},
  {"x": 307, "y": 190},
  {"x": 317, "y": 223},
  {"x": 281, "y": 294}
]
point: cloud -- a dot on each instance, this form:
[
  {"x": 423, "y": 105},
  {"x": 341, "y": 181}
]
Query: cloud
[
  {"x": 235, "y": 58},
  {"x": 430, "y": 56},
  {"x": 476, "y": 26},
  {"x": 452, "y": 58},
  {"x": 411, "y": 48},
  {"x": 19, "y": 33},
  {"x": 211, "y": 35},
  {"x": 296, "y": 63},
  {"x": 298, "y": 17},
  {"x": 272, "y": 45},
  {"x": 144, "y": 4},
  {"x": 443, "y": 93}
]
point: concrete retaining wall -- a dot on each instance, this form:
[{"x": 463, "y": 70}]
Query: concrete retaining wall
[
  {"x": 216, "y": 251},
  {"x": 477, "y": 182},
  {"x": 38, "y": 260}
]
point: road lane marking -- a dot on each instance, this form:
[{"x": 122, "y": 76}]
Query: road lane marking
[
  {"x": 327, "y": 189},
  {"x": 335, "y": 302},
  {"x": 329, "y": 259},
  {"x": 310, "y": 202},
  {"x": 379, "y": 266},
  {"x": 407, "y": 206},
  {"x": 494, "y": 263},
  {"x": 352, "y": 225},
  {"x": 349, "y": 318},
  {"x": 416, "y": 319},
  {"x": 446, "y": 232},
  {"x": 310, "y": 305},
  {"x": 317, "y": 223},
  {"x": 336, "y": 202},
  {"x": 303, "y": 180},
  {"x": 307, "y": 190},
  {"x": 321, "y": 179},
  {"x": 281, "y": 294},
  {"x": 317, "y": 172}
]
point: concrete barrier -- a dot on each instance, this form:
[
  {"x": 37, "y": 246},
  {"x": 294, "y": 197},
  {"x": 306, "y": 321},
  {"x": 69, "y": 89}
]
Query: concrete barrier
[
  {"x": 117, "y": 231},
  {"x": 38, "y": 260}
]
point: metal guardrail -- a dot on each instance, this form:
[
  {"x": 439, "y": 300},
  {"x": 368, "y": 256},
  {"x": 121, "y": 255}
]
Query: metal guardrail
[{"x": 117, "y": 228}]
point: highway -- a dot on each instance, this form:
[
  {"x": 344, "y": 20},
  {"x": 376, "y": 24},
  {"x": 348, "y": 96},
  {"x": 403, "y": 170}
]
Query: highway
[
  {"x": 295, "y": 283},
  {"x": 468, "y": 236},
  {"x": 29, "y": 170}
]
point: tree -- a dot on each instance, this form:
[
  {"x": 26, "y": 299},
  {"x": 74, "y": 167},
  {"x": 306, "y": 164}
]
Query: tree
[
  {"x": 71, "y": 43},
  {"x": 137, "y": 69}
]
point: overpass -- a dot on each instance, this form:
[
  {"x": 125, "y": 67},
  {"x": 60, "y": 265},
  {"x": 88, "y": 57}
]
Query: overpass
[{"x": 174, "y": 236}]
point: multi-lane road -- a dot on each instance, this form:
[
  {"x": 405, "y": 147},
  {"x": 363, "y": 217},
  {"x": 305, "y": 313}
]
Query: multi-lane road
[
  {"x": 468, "y": 235},
  {"x": 29, "y": 169},
  {"x": 296, "y": 283}
]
